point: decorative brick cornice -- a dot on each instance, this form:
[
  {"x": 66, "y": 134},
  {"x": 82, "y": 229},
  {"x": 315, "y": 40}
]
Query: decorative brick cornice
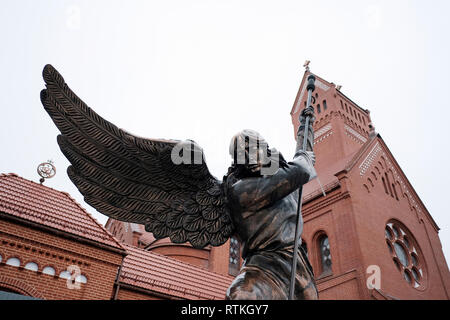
[
  {"x": 370, "y": 158},
  {"x": 329, "y": 282},
  {"x": 49, "y": 250},
  {"x": 324, "y": 132},
  {"x": 325, "y": 202},
  {"x": 355, "y": 134},
  {"x": 51, "y": 253}
]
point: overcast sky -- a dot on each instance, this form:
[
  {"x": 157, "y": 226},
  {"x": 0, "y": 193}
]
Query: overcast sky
[{"x": 204, "y": 70}]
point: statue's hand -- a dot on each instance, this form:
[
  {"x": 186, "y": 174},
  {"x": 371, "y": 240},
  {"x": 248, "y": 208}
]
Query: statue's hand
[{"x": 307, "y": 112}]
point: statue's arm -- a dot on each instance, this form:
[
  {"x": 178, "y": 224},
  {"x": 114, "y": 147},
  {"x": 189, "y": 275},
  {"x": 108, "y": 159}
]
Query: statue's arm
[{"x": 258, "y": 192}]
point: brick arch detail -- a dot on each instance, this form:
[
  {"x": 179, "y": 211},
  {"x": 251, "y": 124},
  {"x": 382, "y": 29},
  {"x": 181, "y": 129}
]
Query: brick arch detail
[{"x": 20, "y": 287}]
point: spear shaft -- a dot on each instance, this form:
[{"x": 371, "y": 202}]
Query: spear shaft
[{"x": 310, "y": 88}]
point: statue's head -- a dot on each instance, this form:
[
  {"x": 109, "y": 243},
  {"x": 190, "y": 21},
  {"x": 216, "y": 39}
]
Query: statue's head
[{"x": 251, "y": 153}]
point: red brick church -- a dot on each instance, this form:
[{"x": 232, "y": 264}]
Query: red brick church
[{"x": 368, "y": 237}]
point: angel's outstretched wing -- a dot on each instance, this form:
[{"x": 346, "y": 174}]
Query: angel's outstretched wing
[{"x": 134, "y": 179}]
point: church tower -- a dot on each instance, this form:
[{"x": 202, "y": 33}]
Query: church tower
[{"x": 370, "y": 236}]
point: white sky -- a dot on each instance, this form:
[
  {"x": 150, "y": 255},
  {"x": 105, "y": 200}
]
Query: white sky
[{"x": 204, "y": 70}]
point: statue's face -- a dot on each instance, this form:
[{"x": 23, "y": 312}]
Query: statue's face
[{"x": 249, "y": 148}]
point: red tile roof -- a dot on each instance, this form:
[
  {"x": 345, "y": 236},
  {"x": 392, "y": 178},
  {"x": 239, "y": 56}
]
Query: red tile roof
[
  {"x": 40, "y": 204},
  {"x": 152, "y": 271}
]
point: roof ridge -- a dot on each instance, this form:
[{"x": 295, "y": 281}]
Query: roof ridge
[
  {"x": 182, "y": 263},
  {"x": 9, "y": 174},
  {"x": 149, "y": 269},
  {"x": 28, "y": 180},
  {"x": 23, "y": 181}
]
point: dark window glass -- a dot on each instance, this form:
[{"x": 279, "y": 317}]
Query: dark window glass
[
  {"x": 325, "y": 253},
  {"x": 234, "y": 260},
  {"x": 414, "y": 260},
  {"x": 415, "y": 274},
  {"x": 407, "y": 276},
  {"x": 388, "y": 233},
  {"x": 401, "y": 254}
]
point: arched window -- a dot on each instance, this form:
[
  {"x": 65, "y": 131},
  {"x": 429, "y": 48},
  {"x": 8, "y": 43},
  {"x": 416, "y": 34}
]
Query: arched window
[
  {"x": 13, "y": 262},
  {"x": 49, "y": 270},
  {"x": 406, "y": 254},
  {"x": 318, "y": 108},
  {"x": 32, "y": 266},
  {"x": 65, "y": 274},
  {"x": 81, "y": 279},
  {"x": 346, "y": 108},
  {"x": 325, "y": 107},
  {"x": 325, "y": 254},
  {"x": 342, "y": 105}
]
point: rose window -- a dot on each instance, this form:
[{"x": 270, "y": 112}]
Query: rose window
[{"x": 406, "y": 254}]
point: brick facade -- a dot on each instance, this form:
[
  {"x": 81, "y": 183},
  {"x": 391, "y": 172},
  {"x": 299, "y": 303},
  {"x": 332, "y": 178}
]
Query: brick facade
[{"x": 99, "y": 266}]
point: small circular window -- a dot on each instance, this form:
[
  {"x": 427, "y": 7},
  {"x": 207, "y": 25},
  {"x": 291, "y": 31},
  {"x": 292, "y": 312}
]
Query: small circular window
[{"x": 406, "y": 254}]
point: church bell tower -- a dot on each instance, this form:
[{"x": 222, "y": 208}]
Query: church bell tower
[{"x": 370, "y": 236}]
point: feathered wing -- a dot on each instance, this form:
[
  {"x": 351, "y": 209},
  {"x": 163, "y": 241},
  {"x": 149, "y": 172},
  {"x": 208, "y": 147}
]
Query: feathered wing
[{"x": 134, "y": 179}]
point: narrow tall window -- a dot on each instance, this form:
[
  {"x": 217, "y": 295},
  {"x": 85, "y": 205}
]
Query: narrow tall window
[
  {"x": 318, "y": 108},
  {"x": 234, "y": 262},
  {"x": 325, "y": 254},
  {"x": 384, "y": 185},
  {"x": 388, "y": 184},
  {"x": 324, "y": 105},
  {"x": 342, "y": 106},
  {"x": 395, "y": 191}
]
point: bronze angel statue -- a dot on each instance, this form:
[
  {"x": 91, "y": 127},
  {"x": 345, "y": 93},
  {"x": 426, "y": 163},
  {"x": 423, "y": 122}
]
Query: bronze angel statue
[{"x": 139, "y": 180}]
